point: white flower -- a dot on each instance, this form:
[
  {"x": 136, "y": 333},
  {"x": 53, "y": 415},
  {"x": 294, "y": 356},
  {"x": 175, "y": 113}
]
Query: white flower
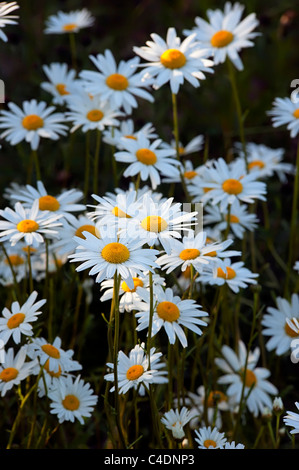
[
  {"x": 16, "y": 262},
  {"x": 224, "y": 183},
  {"x": 64, "y": 203},
  {"x": 296, "y": 266},
  {"x": 61, "y": 81},
  {"x": 292, "y": 419},
  {"x": 90, "y": 112},
  {"x": 158, "y": 222},
  {"x": 171, "y": 313},
  {"x": 147, "y": 158},
  {"x": 29, "y": 224},
  {"x": 133, "y": 370},
  {"x": 33, "y": 121},
  {"x": 6, "y": 18},
  {"x": 210, "y": 438},
  {"x": 51, "y": 355},
  {"x": 215, "y": 403},
  {"x": 14, "y": 369},
  {"x": 240, "y": 220},
  {"x": 70, "y": 22},
  {"x": 174, "y": 60},
  {"x": 72, "y": 399},
  {"x": 194, "y": 250},
  {"x": 285, "y": 112},
  {"x": 114, "y": 136},
  {"x": 275, "y": 324},
  {"x": 109, "y": 255},
  {"x": 257, "y": 390},
  {"x": 233, "y": 445},
  {"x": 235, "y": 275},
  {"x": 175, "y": 420},
  {"x": 116, "y": 83},
  {"x": 17, "y": 321},
  {"x": 225, "y": 35}
]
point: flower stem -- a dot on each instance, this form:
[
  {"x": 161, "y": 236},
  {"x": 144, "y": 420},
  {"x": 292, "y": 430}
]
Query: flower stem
[
  {"x": 36, "y": 163},
  {"x": 73, "y": 50},
  {"x": 87, "y": 164},
  {"x": 96, "y": 162}
]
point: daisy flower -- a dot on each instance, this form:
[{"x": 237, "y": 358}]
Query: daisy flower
[
  {"x": 63, "y": 204},
  {"x": 13, "y": 260},
  {"x": 215, "y": 402},
  {"x": 147, "y": 159},
  {"x": 35, "y": 120},
  {"x": 116, "y": 83},
  {"x": 210, "y": 438},
  {"x": 17, "y": 321},
  {"x": 70, "y": 228},
  {"x": 70, "y": 22},
  {"x": 175, "y": 420},
  {"x": 285, "y": 112},
  {"x": 72, "y": 399},
  {"x": 90, "y": 112},
  {"x": 194, "y": 250},
  {"x": 108, "y": 255},
  {"x": 240, "y": 220},
  {"x": 133, "y": 370},
  {"x": 174, "y": 61},
  {"x": 276, "y": 324},
  {"x": 158, "y": 222},
  {"x": 224, "y": 184},
  {"x": 50, "y": 355},
  {"x": 61, "y": 81},
  {"x": 257, "y": 390},
  {"x": 235, "y": 275},
  {"x": 14, "y": 369},
  {"x": 225, "y": 34},
  {"x": 233, "y": 445},
  {"x": 171, "y": 313},
  {"x": 5, "y": 18},
  {"x": 187, "y": 170},
  {"x": 292, "y": 419},
  {"x": 266, "y": 161},
  {"x": 129, "y": 298},
  {"x": 30, "y": 224},
  {"x": 113, "y": 136}
]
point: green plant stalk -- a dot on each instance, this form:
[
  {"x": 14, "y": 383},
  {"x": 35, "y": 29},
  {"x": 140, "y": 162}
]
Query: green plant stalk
[
  {"x": 37, "y": 166},
  {"x": 15, "y": 282},
  {"x": 87, "y": 164},
  {"x": 73, "y": 50},
  {"x": 30, "y": 269},
  {"x": 96, "y": 161}
]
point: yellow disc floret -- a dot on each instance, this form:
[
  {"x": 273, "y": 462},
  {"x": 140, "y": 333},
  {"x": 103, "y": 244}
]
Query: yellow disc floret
[
  {"x": 32, "y": 122},
  {"x": 15, "y": 320},
  {"x": 48, "y": 203},
  {"x": 168, "y": 311},
  {"x": 115, "y": 253},
  {"x": 189, "y": 253},
  {"x": 154, "y": 223},
  {"x": 146, "y": 156},
  {"x": 296, "y": 113},
  {"x": 134, "y": 372},
  {"x": 222, "y": 38},
  {"x": 137, "y": 283},
  {"x": 232, "y": 186},
  {"x": 71, "y": 402},
  {"x": 27, "y": 226},
  {"x": 95, "y": 115},
  {"x": 51, "y": 351},
  {"x": 173, "y": 59},
  {"x": 116, "y": 81},
  {"x": 61, "y": 88},
  {"x": 230, "y": 273},
  {"x": 8, "y": 374}
]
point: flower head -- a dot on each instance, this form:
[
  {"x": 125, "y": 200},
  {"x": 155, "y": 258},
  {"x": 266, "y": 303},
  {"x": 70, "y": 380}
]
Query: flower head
[
  {"x": 210, "y": 438},
  {"x": 285, "y": 112},
  {"x": 175, "y": 420},
  {"x": 14, "y": 369},
  {"x": 70, "y": 22},
  {"x": 5, "y": 18},
  {"x": 61, "y": 82}
]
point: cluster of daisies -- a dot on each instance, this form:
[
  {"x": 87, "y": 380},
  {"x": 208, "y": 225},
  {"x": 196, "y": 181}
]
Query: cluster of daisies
[{"x": 134, "y": 242}]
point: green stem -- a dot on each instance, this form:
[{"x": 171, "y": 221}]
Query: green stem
[
  {"x": 30, "y": 268},
  {"x": 73, "y": 50},
  {"x": 87, "y": 164},
  {"x": 36, "y": 163},
  {"x": 96, "y": 162}
]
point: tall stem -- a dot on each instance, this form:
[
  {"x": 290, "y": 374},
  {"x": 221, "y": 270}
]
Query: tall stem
[
  {"x": 96, "y": 162},
  {"x": 36, "y": 163},
  {"x": 87, "y": 164},
  {"x": 73, "y": 50}
]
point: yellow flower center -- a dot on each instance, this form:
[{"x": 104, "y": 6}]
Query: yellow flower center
[
  {"x": 222, "y": 38},
  {"x": 173, "y": 59},
  {"x": 71, "y": 402},
  {"x": 256, "y": 163},
  {"x": 289, "y": 330},
  {"x": 154, "y": 223},
  {"x": 190, "y": 174},
  {"x": 134, "y": 372},
  {"x": 15, "y": 320},
  {"x": 137, "y": 283},
  {"x": 51, "y": 351},
  {"x": 215, "y": 397},
  {"x": 233, "y": 219},
  {"x": 69, "y": 27},
  {"x": 209, "y": 442},
  {"x": 61, "y": 88},
  {"x": 168, "y": 311},
  {"x": 146, "y": 156},
  {"x": 115, "y": 253},
  {"x": 8, "y": 374},
  {"x": 189, "y": 253},
  {"x": 116, "y": 81},
  {"x": 119, "y": 213},
  {"x": 48, "y": 203},
  {"x": 94, "y": 115},
  {"x": 16, "y": 260},
  {"x": 85, "y": 228},
  {"x": 296, "y": 113},
  {"x": 250, "y": 378},
  {"x": 232, "y": 186},
  {"x": 27, "y": 226},
  {"x": 130, "y": 137},
  {"x": 51, "y": 372},
  {"x": 32, "y": 122},
  {"x": 230, "y": 273}
]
